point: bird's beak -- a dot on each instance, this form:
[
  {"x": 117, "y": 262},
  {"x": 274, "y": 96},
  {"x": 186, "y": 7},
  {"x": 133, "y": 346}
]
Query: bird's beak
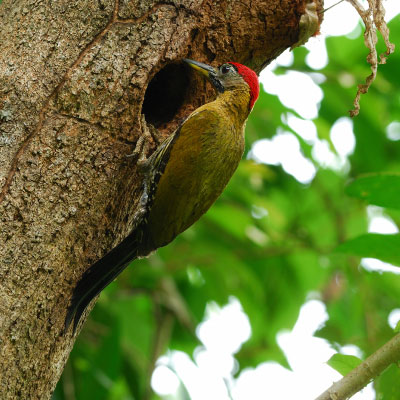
[
  {"x": 204, "y": 69},
  {"x": 209, "y": 72}
]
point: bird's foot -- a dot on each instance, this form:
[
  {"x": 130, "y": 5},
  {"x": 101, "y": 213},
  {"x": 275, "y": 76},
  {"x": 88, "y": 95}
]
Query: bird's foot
[{"x": 149, "y": 134}]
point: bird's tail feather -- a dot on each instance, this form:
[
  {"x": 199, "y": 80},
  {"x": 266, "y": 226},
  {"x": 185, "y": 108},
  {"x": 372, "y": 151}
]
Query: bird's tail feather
[{"x": 98, "y": 276}]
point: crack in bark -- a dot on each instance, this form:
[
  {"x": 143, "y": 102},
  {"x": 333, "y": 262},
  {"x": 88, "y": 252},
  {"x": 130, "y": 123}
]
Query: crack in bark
[
  {"x": 80, "y": 120},
  {"x": 42, "y": 114},
  {"x": 45, "y": 107}
]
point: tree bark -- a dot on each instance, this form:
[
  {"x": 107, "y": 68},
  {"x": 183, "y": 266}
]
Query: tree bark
[{"x": 73, "y": 87}]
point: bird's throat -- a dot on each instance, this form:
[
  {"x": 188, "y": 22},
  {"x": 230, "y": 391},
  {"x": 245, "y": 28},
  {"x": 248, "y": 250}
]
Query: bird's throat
[{"x": 236, "y": 102}]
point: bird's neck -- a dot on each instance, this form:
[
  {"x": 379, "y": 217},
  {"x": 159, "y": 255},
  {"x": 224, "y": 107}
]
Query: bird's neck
[{"x": 236, "y": 103}]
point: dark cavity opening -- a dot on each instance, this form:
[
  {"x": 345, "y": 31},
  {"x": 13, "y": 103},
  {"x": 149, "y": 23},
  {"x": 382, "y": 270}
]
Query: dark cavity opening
[{"x": 165, "y": 94}]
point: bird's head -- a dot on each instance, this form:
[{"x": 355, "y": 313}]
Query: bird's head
[{"x": 229, "y": 76}]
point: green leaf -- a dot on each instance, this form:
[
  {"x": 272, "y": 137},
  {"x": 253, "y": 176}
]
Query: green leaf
[
  {"x": 373, "y": 245},
  {"x": 343, "y": 363},
  {"x": 397, "y": 327},
  {"x": 379, "y": 189},
  {"x": 387, "y": 385}
]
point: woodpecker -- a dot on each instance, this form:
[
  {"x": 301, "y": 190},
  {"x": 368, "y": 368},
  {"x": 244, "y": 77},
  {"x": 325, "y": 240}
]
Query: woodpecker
[{"x": 184, "y": 177}]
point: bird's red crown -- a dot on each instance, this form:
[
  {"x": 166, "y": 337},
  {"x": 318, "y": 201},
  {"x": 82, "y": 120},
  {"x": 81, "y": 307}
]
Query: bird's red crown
[{"x": 251, "y": 79}]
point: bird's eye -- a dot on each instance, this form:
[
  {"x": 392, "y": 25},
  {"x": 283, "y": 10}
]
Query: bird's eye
[{"x": 225, "y": 69}]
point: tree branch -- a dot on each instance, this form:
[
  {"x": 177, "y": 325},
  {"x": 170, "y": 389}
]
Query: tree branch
[{"x": 360, "y": 376}]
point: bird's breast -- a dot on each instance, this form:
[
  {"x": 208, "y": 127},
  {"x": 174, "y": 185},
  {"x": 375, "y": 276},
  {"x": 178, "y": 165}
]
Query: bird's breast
[{"x": 202, "y": 160}]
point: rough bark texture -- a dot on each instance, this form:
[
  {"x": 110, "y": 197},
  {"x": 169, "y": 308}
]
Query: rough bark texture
[{"x": 73, "y": 78}]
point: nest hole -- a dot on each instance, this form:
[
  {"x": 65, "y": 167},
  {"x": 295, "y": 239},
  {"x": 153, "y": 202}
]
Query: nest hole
[{"x": 165, "y": 94}]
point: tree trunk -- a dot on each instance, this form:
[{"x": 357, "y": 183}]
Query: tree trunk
[{"x": 73, "y": 80}]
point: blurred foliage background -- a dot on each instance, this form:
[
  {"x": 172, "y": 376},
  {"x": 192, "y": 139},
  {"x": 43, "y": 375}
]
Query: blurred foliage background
[{"x": 270, "y": 241}]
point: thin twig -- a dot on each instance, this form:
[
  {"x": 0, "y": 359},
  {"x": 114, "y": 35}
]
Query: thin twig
[{"x": 333, "y": 5}]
